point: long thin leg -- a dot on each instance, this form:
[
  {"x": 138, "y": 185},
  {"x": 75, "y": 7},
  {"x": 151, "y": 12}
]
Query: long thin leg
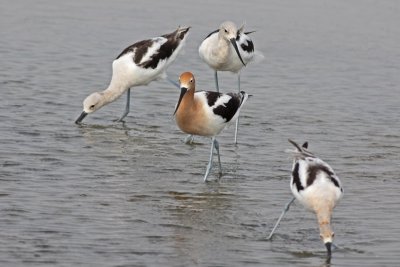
[
  {"x": 209, "y": 165},
  {"x": 280, "y": 217},
  {"x": 216, "y": 81},
  {"x": 216, "y": 145},
  {"x": 174, "y": 83},
  {"x": 237, "y": 121},
  {"x": 239, "y": 82},
  {"x": 236, "y": 129},
  {"x": 128, "y": 97}
]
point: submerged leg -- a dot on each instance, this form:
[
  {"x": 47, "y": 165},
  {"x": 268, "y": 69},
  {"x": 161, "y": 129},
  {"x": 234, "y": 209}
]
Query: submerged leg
[
  {"x": 280, "y": 217},
  {"x": 128, "y": 97},
  {"x": 216, "y": 81},
  {"x": 189, "y": 139},
  {"x": 209, "y": 165},
  {"x": 237, "y": 121}
]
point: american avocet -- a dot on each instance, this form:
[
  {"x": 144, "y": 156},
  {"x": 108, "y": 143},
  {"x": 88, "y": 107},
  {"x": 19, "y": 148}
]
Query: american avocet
[
  {"x": 227, "y": 49},
  {"x": 206, "y": 113},
  {"x": 138, "y": 64},
  {"x": 315, "y": 184}
]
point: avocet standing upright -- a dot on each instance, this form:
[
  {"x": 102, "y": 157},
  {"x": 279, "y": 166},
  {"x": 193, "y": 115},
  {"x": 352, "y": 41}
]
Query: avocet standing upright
[
  {"x": 206, "y": 113},
  {"x": 227, "y": 49}
]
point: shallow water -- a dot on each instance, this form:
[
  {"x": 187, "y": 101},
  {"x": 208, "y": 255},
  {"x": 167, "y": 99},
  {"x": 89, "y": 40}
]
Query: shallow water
[{"x": 131, "y": 194}]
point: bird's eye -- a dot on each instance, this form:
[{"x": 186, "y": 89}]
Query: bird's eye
[
  {"x": 191, "y": 80},
  {"x": 226, "y": 31},
  {"x": 333, "y": 234},
  {"x": 92, "y": 107}
]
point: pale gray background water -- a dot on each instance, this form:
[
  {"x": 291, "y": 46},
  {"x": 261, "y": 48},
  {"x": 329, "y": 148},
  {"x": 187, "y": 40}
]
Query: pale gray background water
[{"x": 112, "y": 194}]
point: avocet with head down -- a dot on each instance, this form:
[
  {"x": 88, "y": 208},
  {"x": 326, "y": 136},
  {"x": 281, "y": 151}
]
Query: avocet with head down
[{"x": 138, "y": 64}]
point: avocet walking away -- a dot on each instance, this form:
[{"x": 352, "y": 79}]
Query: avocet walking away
[
  {"x": 138, "y": 64},
  {"x": 206, "y": 113},
  {"x": 227, "y": 49},
  {"x": 317, "y": 187}
]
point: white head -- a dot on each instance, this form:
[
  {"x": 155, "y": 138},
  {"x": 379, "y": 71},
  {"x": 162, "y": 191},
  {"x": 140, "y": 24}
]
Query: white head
[
  {"x": 91, "y": 103},
  {"x": 327, "y": 236},
  {"x": 229, "y": 32}
]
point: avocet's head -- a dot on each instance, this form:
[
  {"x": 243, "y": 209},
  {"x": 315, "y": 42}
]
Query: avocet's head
[
  {"x": 186, "y": 80},
  {"x": 327, "y": 236},
  {"x": 229, "y": 31},
  {"x": 91, "y": 103},
  {"x": 186, "y": 83}
]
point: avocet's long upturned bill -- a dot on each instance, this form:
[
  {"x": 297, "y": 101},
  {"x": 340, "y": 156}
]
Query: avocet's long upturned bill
[
  {"x": 138, "y": 64},
  {"x": 206, "y": 113},
  {"x": 317, "y": 187},
  {"x": 227, "y": 49}
]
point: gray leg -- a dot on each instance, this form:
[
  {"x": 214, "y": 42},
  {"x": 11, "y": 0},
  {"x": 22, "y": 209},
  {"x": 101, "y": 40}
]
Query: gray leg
[
  {"x": 128, "y": 97},
  {"x": 189, "y": 139},
  {"x": 214, "y": 144},
  {"x": 237, "y": 121},
  {"x": 239, "y": 82},
  {"x": 236, "y": 129},
  {"x": 216, "y": 81},
  {"x": 174, "y": 83},
  {"x": 280, "y": 217}
]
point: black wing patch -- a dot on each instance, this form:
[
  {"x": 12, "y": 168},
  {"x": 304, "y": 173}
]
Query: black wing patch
[
  {"x": 177, "y": 34},
  {"x": 165, "y": 51},
  {"x": 296, "y": 177},
  {"x": 335, "y": 182},
  {"x": 211, "y": 33},
  {"x": 140, "y": 47},
  {"x": 314, "y": 170},
  {"x": 229, "y": 109},
  {"x": 247, "y": 44},
  {"x": 212, "y": 97},
  {"x": 249, "y": 47}
]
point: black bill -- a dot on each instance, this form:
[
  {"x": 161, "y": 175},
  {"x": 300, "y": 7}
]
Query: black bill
[
  {"x": 81, "y": 117},
  {"x": 328, "y": 246},
  {"x": 183, "y": 92},
  {"x": 233, "y": 41}
]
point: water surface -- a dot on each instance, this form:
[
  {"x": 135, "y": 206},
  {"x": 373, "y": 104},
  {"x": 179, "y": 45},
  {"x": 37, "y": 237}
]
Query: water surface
[{"x": 131, "y": 194}]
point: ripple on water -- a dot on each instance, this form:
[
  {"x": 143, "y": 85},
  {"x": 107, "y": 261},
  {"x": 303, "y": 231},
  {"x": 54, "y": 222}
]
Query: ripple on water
[{"x": 106, "y": 193}]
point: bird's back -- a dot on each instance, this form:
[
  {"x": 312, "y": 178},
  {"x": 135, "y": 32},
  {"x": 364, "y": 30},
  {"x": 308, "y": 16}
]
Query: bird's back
[
  {"x": 246, "y": 47},
  {"x": 221, "y": 56},
  {"x": 210, "y": 112},
  {"x": 147, "y": 60},
  {"x": 313, "y": 181}
]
